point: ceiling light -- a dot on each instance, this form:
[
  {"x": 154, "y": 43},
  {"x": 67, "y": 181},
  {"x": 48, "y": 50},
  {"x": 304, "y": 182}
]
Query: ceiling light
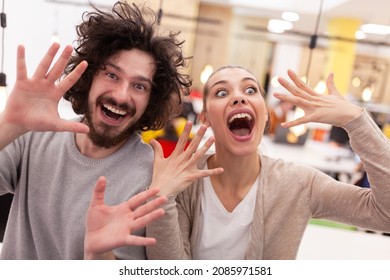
[
  {"x": 278, "y": 25},
  {"x": 275, "y": 30},
  {"x": 356, "y": 82},
  {"x": 367, "y": 93},
  {"x": 375, "y": 29},
  {"x": 290, "y": 16},
  {"x": 359, "y": 35}
]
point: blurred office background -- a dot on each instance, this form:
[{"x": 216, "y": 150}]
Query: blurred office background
[{"x": 347, "y": 37}]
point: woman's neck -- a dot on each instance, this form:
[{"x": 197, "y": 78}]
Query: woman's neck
[{"x": 240, "y": 173}]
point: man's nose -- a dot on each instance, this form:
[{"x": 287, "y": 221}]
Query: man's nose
[{"x": 122, "y": 94}]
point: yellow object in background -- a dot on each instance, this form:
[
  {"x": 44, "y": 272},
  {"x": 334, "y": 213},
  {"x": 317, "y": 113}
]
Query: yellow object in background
[
  {"x": 386, "y": 129},
  {"x": 341, "y": 54},
  {"x": 178, "y": 123},
  {"x": 151, "y": 134}
]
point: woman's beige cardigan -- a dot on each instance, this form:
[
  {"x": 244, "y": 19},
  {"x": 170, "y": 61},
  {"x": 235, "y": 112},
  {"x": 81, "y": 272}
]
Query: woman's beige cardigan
[{"x": 288, "y": 196}]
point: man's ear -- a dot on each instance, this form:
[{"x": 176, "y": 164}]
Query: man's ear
[{"x": 203, "y": 118}]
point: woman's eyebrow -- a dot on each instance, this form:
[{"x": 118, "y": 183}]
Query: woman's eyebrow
[
  {"x": 219, "y": 82},
  {"x": 226, "y": 81}
]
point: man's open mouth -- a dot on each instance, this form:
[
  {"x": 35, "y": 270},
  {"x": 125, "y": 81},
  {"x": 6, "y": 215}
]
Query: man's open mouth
[{"x": 112, "y": 113}]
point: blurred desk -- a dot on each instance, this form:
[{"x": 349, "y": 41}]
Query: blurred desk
[{"x": 323, "y": 156}]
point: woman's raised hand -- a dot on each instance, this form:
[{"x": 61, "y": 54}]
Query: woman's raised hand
[
  {"x": 176, "y": 172},
  {"x": 329, "y": 108}
]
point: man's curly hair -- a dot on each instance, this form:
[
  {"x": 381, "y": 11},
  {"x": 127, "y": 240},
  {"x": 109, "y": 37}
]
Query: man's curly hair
[{"x": 103, "y": 34}]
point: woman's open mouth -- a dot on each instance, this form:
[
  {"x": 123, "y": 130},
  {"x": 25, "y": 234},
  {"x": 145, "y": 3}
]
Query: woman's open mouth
[{"x": 241, "y": 124}]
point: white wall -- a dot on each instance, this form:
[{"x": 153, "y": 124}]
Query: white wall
[
  {"x": 32, "y": 24},
  {"x": 286, "y": 56}
]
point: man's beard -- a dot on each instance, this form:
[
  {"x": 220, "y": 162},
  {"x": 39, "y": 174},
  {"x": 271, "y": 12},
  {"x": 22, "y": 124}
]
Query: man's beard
[
  {"x": 106, "y": 139},
  {"x": 105, "y": 136}
]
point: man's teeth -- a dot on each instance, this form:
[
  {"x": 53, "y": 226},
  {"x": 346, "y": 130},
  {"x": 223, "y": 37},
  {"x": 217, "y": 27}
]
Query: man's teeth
[
  {"x": 114, "y": 110},
  {"x": 240, "y": 116}
]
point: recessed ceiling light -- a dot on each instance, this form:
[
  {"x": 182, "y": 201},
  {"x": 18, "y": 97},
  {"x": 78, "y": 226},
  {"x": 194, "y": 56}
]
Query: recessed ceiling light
[
  {"x": 359, "y": 35},
  {"x": 278, "y": 25},
  {"x": 376, "y": 29},
  {"x": 290, "y": 16},
  {"x": 356, "y": 82}
]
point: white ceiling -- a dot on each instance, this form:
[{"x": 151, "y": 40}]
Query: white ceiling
[{"x": 369, "y": 11}]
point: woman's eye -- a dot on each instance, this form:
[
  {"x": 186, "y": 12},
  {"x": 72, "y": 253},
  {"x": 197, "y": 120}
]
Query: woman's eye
[
  {"x": 250, "y": 90},
  {"x": 221, "y": 93}
]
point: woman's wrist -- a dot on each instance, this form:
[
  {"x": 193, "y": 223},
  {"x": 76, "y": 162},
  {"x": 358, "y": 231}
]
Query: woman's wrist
[
  {"x": 352, "y": 113},
  {"x": 163, "y": 191}
]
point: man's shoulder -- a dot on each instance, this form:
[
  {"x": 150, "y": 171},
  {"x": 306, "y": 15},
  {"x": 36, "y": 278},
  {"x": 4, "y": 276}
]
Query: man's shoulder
[{"x": 136, "y": 146}]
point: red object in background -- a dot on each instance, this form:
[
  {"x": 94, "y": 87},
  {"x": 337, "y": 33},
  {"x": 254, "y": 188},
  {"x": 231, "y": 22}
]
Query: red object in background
[
  {"x": 195, "y": 94},
  {"x": 319, "y": 134},
  {"x": 168, "y": 146}
]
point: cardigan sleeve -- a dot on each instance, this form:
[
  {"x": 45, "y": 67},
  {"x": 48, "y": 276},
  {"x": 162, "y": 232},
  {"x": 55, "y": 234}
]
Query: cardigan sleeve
[
  {"x": 366, "y": 208},
  {"x": 176, "y": 232},
  {"x": 171, "y": 232}
]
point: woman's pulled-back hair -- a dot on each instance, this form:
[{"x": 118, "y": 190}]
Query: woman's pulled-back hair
[{"x": 103, "y": 34}]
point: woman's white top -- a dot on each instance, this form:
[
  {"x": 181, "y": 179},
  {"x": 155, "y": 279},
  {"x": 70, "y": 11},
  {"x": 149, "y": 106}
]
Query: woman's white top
[{"x": 224, "y": 234}]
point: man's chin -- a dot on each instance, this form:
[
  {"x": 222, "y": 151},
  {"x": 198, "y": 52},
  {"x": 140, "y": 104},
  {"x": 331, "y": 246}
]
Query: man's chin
[{"x": 109, "y": 141}]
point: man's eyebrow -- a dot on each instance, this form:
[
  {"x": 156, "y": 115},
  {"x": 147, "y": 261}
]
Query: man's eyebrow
[
  {"x": 116, "y": 67},
  {"x": 139, "y": 77}
]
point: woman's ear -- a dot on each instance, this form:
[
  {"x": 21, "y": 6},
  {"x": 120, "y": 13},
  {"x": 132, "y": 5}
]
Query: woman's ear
[{"x": 203, "y": 118}]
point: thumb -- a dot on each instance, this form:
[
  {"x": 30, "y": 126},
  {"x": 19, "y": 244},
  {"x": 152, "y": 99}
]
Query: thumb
[
  {"x": 98, "y": 192},
  {"x": 77, "y": 127},
  {"x": 157, "y": 148},
  {"x": 330, "y": 85}
]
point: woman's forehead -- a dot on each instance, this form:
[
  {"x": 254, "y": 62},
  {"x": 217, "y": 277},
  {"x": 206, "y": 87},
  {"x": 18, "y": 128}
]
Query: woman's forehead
[
  {"x": 231, "y": 72},
  {"x": 229, "y": 75}
]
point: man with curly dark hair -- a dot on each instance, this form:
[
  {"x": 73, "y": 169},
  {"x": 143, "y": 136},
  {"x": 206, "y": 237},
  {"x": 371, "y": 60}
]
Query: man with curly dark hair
[{"x": 122, "y": 77}]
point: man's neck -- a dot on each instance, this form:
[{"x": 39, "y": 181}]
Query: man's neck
[{"x": 89, "y": 149}]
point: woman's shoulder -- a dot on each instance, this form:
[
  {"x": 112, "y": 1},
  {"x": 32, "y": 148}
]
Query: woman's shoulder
[{"x": 280, "y": 169}]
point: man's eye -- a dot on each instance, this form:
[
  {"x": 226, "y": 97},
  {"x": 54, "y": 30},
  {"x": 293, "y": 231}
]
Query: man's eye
[
  {"x": 112, "y": 76},
  {"x": 140, "y": 87}
]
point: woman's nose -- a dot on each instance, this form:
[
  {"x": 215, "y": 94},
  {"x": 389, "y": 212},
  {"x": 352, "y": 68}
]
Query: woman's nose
[{"x": 238, "y": 100}]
